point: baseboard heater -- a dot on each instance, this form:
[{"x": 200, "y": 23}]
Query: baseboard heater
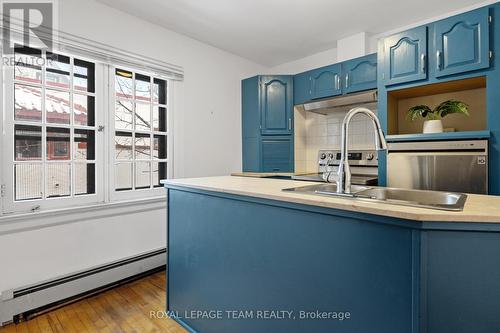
[{"x": 26, "y": 299}]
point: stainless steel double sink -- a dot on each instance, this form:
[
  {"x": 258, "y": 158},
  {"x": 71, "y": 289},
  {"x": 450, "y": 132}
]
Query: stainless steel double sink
[{"x": 394, "y": 196}]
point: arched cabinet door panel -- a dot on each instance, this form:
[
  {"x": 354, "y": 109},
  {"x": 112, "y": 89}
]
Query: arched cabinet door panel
[
  {"x": 360, "y": 74},
  {"x": 276, "y": 98},
  {"x": 405, "y": 56},
  {"x": 326, "y": 81},
  {"x": 462, "y": 43}
]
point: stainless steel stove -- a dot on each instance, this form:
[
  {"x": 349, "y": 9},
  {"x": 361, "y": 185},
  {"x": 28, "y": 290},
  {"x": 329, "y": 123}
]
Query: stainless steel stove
[{"x": 364, "y": 166}]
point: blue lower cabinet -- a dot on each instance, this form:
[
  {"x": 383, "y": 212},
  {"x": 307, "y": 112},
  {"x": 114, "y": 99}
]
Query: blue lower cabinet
[
  {"x": 237, "y": 253},
  {"x": 251, "y": 154},
  {"x": 360, "y": 74},
  {"x": 277, "y": 154},
  {"x": 461, "y": 289},
  {"x": 231, "y": 254}
]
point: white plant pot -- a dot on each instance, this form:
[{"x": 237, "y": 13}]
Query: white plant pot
[{"x": 433, "y": 126}]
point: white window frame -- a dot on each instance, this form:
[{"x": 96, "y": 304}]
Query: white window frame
[
  {"x": 136, "y": 193},
  {"x": 104, "y": 144},
  {"x": 9, "y": 203}
]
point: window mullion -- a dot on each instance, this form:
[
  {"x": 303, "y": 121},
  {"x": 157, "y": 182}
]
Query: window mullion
[
  {"x": 44, "y": 128},
  {"x": 72, "y": 145}
]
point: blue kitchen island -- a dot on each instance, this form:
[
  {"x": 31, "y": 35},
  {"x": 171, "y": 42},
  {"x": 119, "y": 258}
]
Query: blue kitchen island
[{"x": 245, "y": 257}]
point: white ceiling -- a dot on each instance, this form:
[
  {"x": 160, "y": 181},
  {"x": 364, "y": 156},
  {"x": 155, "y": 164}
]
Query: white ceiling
[{"x": 271, "y": 32}]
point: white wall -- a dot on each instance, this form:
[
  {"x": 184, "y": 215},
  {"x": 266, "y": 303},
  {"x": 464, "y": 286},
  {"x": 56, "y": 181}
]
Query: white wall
[
  {"x": 207, "y": 141},
  {"x": 324, "y": 58},
  {"x": 352, "y": 47}
]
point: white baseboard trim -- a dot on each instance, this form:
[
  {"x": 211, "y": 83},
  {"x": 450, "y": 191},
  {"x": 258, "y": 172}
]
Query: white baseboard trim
[{"x": 24, "y": 299}]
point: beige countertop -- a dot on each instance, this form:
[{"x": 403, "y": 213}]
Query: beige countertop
[{"x": 478, "y": 208}]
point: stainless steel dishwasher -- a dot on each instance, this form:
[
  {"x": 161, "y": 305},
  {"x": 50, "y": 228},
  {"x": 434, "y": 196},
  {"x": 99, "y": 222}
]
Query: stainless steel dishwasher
[{"x": 458, "y": 166}]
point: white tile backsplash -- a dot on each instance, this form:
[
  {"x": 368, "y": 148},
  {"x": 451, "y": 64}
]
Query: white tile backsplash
[{"x": 324, "y": 132}]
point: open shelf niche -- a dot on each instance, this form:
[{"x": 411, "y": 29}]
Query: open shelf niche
[{"x": 471, "y": 91}]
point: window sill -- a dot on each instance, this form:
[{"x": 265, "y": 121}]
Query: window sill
[{"x": 12, "y": 223}]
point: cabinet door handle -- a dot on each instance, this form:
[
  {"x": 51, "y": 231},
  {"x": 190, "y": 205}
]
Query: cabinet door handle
[
  {"x": 337, "y": 82},
  {"x": 290, "y": 123},
  {"x": 438, "y": 59},
  {"x": 347, "y": 81},
  {"x": 422, "y": 59}
]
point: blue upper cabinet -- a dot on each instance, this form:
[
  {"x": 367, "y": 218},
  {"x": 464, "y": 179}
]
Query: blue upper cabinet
[
  {"x": 302, "y": 88},
  {"x": 360, "y": 74},
  {"x": 462, "y": 43},
  {"x": 405, "y": 56},
  {"x": 342, "y": 78},
  {"x": 326, "y": 81},
  {"x": 276, "y": 98}
]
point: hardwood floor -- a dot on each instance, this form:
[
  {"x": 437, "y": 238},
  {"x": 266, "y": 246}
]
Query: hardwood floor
[{"x": 122, "y": 309}]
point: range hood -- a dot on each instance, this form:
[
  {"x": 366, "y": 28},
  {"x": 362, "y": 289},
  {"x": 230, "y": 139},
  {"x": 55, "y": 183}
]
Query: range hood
[{"x": 325, "y": 106}]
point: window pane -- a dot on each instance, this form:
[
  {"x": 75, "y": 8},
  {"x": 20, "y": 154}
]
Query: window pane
[
  {"x": 83, "y": 75},
  {"x": 142, "y": 88},
  {"x": 123, "y": 176},
  {"x": 142, "y": 117},
  {"x": 58, "y": 180},
  {"x": 58, "y": 147},
  {"x": 142, "y": 147},
  {"x": 84, "y": 145},
  {"x": 123, "y": 146},
  {"x": 142, "y": 175},
  {"x": 57, "y": 71},
  {"x": 27, "y": 73},
  {"x": 124, "y": 87},
  {"x": 28, "y": 64},
  {"x": 159, "y": 91},
  {"x": 83, "y": 110},
  {"x": 160, "y": 147},
  {"x": 123, "y": 115},
  {"x": 84, "y": 178},
  {"x": 28, "y": 103},
  {"x": 57, "y": 106},
  {"x": 159, "y": 119},
  {"x": 159, "y": 172},
  {"x": 28, "y": 181},
  {"x": 28, "y": 143}
]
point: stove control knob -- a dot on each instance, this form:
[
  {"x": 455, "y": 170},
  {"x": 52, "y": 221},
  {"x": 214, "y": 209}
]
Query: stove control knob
[
  {"x": 322, "y": 156},
  {"x": 330, "y": 155},
  {"x": 369, "y": 156}
]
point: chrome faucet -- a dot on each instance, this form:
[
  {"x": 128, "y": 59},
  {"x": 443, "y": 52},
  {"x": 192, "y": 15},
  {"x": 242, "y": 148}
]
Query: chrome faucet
[{"x": 343, "y": 180}]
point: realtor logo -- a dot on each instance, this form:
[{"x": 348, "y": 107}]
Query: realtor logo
[{"x": 27, "y": 23}]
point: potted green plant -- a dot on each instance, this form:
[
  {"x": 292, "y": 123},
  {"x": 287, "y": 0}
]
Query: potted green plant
[{"x": 433, "y": 117}]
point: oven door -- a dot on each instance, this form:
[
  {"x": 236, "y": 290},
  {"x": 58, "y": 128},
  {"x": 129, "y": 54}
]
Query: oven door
[{"x": 459, "y": 171}]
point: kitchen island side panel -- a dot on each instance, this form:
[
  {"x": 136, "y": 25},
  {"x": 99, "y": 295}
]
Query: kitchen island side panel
[
  {"x": 226, "y": 253},
  {"x": 461, "y": 281}
]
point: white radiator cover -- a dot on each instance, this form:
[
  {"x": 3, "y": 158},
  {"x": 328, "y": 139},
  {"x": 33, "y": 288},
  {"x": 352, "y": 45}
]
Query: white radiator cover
[{"x": 20, "y": 300}]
